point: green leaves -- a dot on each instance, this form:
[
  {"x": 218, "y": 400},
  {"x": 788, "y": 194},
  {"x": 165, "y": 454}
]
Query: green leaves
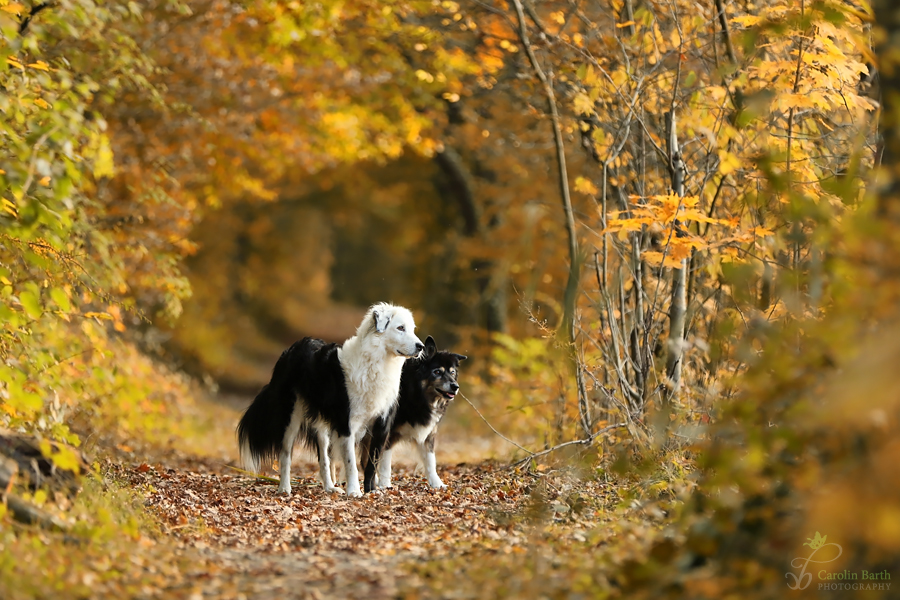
[
  {"x": 59, "y": 79},
  {"x": 61, "y": 299},
  {"x": 31, "y": 303}
]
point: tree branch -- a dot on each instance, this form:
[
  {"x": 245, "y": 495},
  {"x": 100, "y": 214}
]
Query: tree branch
[
  {"x": 585, "y": 442},
  {"x": 486, "y": 422},
  {"x": 31, "y": 14},
  {"x": 726, "y": 34}
]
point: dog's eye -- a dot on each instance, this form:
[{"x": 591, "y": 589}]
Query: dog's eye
[
  {"x": 436, "y": 372},
  {"x": 401, "y": 328}
]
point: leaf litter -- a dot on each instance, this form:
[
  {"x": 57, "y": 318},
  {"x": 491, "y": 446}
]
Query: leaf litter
[{"x": 242, "y": 539}]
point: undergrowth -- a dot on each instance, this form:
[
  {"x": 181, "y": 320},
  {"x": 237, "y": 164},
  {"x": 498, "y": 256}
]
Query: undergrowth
[{"x": 110, "y": 547}]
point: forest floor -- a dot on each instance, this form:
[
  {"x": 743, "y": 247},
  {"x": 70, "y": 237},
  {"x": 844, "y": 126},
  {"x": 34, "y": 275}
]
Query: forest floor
[
  {"x": 245, "y": 540},
  {"x": 232, "y": 536}
]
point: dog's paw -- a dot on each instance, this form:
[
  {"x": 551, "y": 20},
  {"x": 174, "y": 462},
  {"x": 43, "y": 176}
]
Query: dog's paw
[
  {"x": 284, "y": 489},
  {"x": 354, "y": 494},
  {"x": 437, "y": 484},
  {"x": 334, "y": 490}
]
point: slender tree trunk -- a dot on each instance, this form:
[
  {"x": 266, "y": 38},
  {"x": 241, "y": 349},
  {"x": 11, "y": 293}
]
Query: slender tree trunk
[
  {"x": 460, "y": 185},
  {"x": 678, "y": 307},
  {"x": 572, "y": 285}
]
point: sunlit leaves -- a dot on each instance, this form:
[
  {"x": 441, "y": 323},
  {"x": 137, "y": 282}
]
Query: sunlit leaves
[
  {"x": 61, "y": 298},
  {"x": 59, "y": 74},
  {"x": 585, "y": 186},
  {"x": 30, "y": 300},
  {"x": 671, "y": 217},
  {"x": 63, "y": 456}
]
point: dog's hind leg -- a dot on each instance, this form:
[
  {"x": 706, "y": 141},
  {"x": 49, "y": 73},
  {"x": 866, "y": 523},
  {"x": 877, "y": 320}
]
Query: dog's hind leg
[
  {"x": 347, "y": 448},
  {"x": 335, "y": 463},
  {"x": 325, "y": 471},
  {"x": 426, "y": 454},
  {"x": 287, "y": 449}
]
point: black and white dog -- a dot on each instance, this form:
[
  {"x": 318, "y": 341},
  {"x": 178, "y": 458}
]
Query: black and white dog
[
  {"x": 322, "y": 392},
  {"x": 427, "y": 387}
]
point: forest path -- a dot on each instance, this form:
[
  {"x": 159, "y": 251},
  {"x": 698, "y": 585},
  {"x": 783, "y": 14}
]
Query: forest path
[{"x": 242, "y": 540}]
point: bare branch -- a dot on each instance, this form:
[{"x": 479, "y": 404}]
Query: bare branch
[
  {"x": 585, "y": 442},
  {"x": 726, "y": 33},
  {"x": 26, "y": 21},
  {"x": 503, "y": 437}
]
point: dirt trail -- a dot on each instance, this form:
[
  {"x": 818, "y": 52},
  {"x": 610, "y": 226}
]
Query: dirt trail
[{"x": 245, "y": 540}]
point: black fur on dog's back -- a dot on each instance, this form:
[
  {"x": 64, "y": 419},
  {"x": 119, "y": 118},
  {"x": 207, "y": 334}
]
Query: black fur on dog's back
[{"x": 308, "y": 372}]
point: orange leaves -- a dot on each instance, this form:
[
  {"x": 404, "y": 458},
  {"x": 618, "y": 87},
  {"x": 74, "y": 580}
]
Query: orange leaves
[
  {"x": 670, "y": 217},
  {"x": 13, "y": 8},
  {"x": 677, "y": 252},
  {"x": 655, "y": 210},
  {"x": 585, "y": 186},
  {"x": 582, "y": 104},
  {"x": 16, "y": 63}
]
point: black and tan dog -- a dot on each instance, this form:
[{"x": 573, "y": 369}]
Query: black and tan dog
[{"x": 427, "y": 386}]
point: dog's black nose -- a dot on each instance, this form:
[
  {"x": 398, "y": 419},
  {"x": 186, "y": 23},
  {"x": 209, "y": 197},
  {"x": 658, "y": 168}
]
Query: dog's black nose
[
  {"x": 454, "y": 387},
  {"x": 419, "y": 346}
]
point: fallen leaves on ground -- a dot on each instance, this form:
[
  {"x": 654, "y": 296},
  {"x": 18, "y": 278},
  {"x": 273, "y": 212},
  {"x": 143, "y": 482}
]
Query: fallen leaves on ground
[
  {"x": 248, "y": 541},
  {"x": 184, "y": 527},
  {"x": 212, "y": 506},
  {"x": 259, "y": 543}
]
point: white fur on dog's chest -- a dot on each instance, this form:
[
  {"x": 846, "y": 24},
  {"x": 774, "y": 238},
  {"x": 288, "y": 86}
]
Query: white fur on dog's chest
[
  {"x": 418, "y": 432},
  {"x": 372, "y": 386}
]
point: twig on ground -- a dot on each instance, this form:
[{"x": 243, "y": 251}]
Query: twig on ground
[
  {"x": 494, "y": 430},
  {"x": 585, "y": 442},
  {"x": 252, "y": 474},
  {"x": 294, "y": 482}
]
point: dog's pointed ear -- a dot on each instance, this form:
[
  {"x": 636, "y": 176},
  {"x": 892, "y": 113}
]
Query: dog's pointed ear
[
  {"x": 460, "y": 357},
  {"x": 430, "y": 348},
  {"x": 382, "y": 320}
]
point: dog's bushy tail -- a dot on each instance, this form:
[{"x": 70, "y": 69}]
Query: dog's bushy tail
[{"x": 262, "y": 428}]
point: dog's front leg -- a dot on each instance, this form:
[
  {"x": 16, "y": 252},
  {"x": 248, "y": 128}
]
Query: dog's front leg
[
  {"x": 324, "y": 438},
  {"x": 347, "y": 447},
  {"x": 426, "y": 454},
  {"x": 374, "y": 453}
]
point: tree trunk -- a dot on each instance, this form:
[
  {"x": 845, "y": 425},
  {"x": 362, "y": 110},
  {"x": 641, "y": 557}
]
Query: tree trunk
[
  {"x": 460, "y": 185},
  {"x": 575, "y": 261},
  {"x": 678, "y": 307},
  {"x": 21, "y": 455},
  {"x": 9, "y": 469}
]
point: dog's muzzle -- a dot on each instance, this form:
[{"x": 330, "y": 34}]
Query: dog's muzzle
[
  {"x": 451, "y": 393},
  {"x": 419, "y": 348}
]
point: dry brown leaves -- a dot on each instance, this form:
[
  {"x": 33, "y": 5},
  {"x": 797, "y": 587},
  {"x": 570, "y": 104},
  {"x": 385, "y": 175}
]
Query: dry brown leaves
[{"x": 249, "y": 541}]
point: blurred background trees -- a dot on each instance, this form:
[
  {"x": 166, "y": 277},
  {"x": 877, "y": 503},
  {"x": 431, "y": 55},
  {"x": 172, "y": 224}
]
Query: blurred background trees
[
  {"x": 203, "y": 182},
  {"x": 216, "y": 179}
]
